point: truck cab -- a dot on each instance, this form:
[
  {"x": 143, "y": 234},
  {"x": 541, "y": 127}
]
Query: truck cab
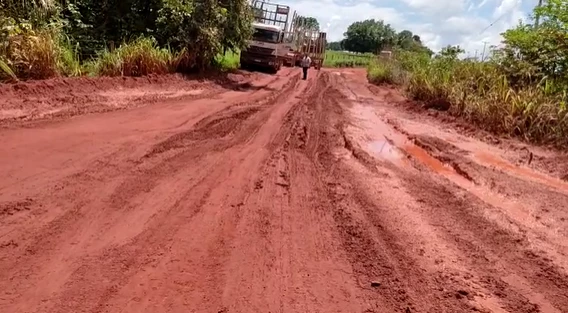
[{"x": 264, "y": 47}]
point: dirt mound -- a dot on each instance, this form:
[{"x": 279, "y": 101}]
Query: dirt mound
[{"x": 64, "y": 97}]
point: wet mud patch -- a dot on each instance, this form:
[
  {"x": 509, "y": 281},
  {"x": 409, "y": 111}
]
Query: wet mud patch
[
  {"x": 222, "y": 124},
  {"x": 215, "y": 127},
  {"x": 486, "y": 241},
  {"x": 15, "y": 207}
]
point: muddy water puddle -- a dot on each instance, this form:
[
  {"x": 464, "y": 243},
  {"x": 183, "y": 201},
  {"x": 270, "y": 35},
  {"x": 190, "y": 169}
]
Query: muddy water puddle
[
  {"x": 483, "y": 154},
  {"x": 384, "y": 142},
  {"x": 384, "y": 149}
]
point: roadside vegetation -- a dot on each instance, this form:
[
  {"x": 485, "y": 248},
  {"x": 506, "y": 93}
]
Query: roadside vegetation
[
  {"x": 521, "y": 90},
  {"x": 50, "y": 38},
  {"x": 347, "y": 59}
]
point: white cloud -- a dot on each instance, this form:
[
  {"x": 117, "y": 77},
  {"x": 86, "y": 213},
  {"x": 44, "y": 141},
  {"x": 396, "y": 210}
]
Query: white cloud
[
  {"x": 506, "y": 6},
  {"x": 444, "y": 7}
]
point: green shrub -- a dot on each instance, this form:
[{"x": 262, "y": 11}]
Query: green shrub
[
  {"x": 228, "y": 61},
  {"x": 35, "y": 53},
  {"x": 6, "y": 72},
  {"x": 138, "y": 58},
  {"x": 385, "y": 72}
]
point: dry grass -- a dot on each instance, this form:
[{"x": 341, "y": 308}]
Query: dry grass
[
  {"x": 481, "y": 94},
  {"x": 138, "y": 58}
]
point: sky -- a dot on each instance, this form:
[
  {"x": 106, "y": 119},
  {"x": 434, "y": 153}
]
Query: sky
[{"x": 437, "y": 22}]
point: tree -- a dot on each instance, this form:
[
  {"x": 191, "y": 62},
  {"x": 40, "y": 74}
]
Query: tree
[
  {"x": 205, "y": 28},
  {"x": 405, "y": 39},
  {"x": 451, "y": 52},
  {"x": 532, "y": 53},
  {"x": 308, "y": 22},
  {"x": 335, "y": 45},
  {"x": 369, "y": 36}
]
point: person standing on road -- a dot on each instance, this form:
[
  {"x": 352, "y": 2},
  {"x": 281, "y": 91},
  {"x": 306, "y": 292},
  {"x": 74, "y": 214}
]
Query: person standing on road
[{"x": 306, "y": 62}]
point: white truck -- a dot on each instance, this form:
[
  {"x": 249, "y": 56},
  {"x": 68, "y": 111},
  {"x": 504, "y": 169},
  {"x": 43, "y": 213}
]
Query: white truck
[
  {"x": 267, "y": 46},
  {"x": 278, "y": 40}
]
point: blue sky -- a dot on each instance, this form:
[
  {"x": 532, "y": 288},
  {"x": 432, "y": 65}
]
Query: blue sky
[{"x": 437, "y": 22}]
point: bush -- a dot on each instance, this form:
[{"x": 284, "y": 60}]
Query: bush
[
  {"x": 228, "y": 61},
  {"x": 29, "y": 53},
  {"x": 138, "y": 58},
  {"x": 6, "y": 72},
  {"x": 385, "y": 72}
]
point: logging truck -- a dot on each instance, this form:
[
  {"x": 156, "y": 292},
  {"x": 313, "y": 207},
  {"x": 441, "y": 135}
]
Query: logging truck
[{"x": 278, "y": 41}]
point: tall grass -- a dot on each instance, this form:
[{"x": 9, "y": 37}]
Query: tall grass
[
  {"x": 228, "y": 61},
  {"x": 29, "y": 53},
  {"x": 6, "y": 72},
  {"x": 385, "y": 72},
  {"x": 480, "y": 93},
  {"x": 138, "y": 58}
]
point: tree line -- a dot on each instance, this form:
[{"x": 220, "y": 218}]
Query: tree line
[
  {"x": 202, "y": 28},
  {"x": 372, "y": 36}
]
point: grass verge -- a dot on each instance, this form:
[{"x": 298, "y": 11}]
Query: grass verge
[
  {"x": 138, "y": 58},
  {"x": 481, "y": 94},
  {"x": 346, "y": 59}
]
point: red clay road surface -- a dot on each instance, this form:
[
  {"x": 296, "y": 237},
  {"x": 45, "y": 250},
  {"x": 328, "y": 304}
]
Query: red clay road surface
[{"x": 281, "y": 195}]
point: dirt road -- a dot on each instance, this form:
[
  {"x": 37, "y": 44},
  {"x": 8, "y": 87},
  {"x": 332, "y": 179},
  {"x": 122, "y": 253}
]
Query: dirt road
[{"x": 325, "y": 195}]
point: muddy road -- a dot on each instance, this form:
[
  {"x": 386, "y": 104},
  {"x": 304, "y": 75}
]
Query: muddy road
[{"x": 285, "y": 195}]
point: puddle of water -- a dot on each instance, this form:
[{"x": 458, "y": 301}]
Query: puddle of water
[
  {"x": 520, "y": 172},
  {"x": 384, "y": 149}
]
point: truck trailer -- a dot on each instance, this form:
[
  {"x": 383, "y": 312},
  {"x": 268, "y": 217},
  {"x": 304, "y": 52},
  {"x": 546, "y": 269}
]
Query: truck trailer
[
  {"x": 306, "y": 40},
  {"x": 278, "y": 41}
]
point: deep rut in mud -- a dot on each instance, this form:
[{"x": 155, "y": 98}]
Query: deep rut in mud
[{"x": 284, "y": 196}]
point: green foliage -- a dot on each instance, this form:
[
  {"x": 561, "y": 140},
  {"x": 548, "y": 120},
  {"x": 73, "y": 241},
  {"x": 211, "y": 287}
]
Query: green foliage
[
  {"x": 346, "y": 59},
  {"x": 6, "y": 72},
  {"x": 308, "y": 22},
  {"x": 40, "y": 39},
  {"x": 481, "y": 93},
  {"x": 203, "y": 30},
  {"x": 368, "y": 36},
  {"x": 141, "y": 57},
  {"x": 522, "y": 90},
  {"x": 373, "y": 36},
  {"x": 384, "y": 72},
  {"x": 35, "y": 53},
  {"x": 335, "y": 46},
  {"x": 450, "y": 52},
  {"x": 228, "y": 61},
  {"x": 532, "y": 54}
]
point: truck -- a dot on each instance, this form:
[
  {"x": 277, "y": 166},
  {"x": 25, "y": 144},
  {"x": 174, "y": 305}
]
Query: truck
[
  {"x": 266, "y": 47},
  {"x": 306, "y": 40},
  {"x": 277, "y": 41}
]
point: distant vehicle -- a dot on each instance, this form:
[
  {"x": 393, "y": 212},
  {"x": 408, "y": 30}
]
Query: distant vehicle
[
  {"x": 263, "y": 48},
  {"x": 305, "y": 39},
  {"x": 266, "y": 48},
  {"x": 277, "y": 42}
]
